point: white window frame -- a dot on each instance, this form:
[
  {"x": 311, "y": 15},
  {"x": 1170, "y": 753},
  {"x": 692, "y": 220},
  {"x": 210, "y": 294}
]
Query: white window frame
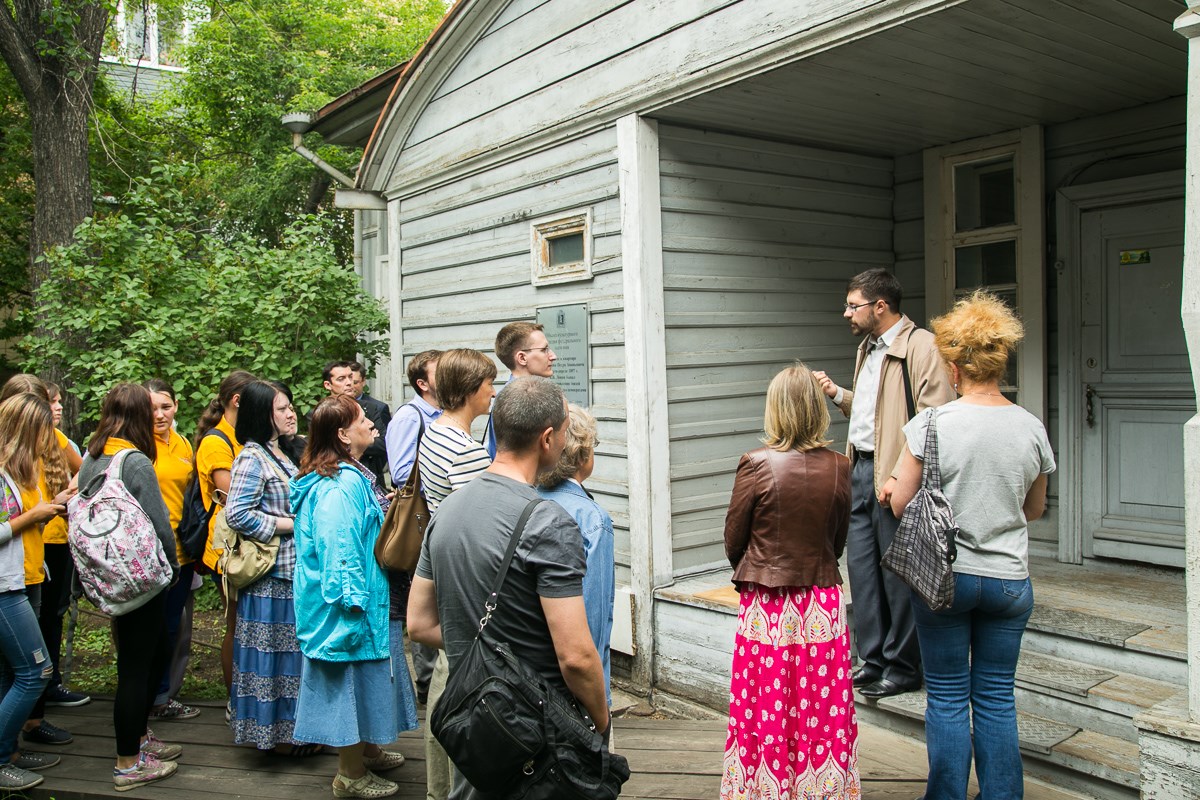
[
  {"x": 541, "y": 231},
  {"x": 941, "y": 239}
]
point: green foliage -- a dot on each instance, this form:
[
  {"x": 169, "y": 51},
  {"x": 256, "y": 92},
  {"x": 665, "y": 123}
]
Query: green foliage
[
  {"x": 153, "y": 291},
  {"x": 16, "y": 205},
  {"x": 256, "y": 60}
]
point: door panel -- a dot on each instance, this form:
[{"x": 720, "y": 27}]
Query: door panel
[{"x": 1137, "y": 384}]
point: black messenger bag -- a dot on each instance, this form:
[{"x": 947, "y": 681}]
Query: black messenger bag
[{"x": 511, "y": 733}]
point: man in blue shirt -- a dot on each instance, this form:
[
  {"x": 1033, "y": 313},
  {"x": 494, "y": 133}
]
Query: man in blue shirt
[{"x": 406, "y": 424}]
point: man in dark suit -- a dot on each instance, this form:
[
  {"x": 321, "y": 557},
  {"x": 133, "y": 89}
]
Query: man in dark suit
[{"x": 375, "y": 457}]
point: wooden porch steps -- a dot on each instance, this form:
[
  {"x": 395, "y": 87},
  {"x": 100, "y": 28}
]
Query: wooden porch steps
[{"x": 1105, "y": 642}]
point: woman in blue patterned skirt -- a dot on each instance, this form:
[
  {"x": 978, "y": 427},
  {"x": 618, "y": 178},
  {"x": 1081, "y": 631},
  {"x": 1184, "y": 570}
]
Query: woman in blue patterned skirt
[{"x": 266, "y": 655}]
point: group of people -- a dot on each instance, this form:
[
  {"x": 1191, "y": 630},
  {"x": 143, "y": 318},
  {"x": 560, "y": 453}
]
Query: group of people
[
  {"x": 797, "y": 507},
  {"x": 313, "y": 654}
]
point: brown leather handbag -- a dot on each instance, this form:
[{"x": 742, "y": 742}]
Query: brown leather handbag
[{"x": 399, "y": 544}]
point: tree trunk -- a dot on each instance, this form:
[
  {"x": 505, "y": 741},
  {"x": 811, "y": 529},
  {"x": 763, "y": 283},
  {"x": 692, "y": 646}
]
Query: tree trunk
[{"x": 60, "y": 167}]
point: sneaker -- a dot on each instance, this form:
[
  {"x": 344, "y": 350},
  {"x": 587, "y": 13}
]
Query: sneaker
[
  {"x": 62, "y": 696},
  {"x": 15, "y": 779},
  {"x": 173, "y": 709},
  {"x": 156, "y": 747},
  {"x": 387, "y": 759},
  {"x": 148, "y": 769},
  {"x": 229, "y": 713},
  {"x": 369, "y": 786},
  {"x": 35, "y": 761},
  {"x": 45, "y": 733}
]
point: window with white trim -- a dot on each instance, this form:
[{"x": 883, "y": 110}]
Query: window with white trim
[
  {"x": 985, "y": 229},
  {"x": 561, "y": 248}
]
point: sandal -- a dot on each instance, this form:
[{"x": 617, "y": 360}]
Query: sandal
[
  {"x": 387, "y": 759},
  {"x": 370, "y": 786}
]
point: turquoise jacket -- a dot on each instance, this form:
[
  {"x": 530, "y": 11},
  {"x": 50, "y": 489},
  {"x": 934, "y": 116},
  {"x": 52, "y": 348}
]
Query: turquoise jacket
[{"x": 341, "y": 593}]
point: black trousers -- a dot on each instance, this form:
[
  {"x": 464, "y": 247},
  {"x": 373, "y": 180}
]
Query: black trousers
[{"x": 141, "y": 637}]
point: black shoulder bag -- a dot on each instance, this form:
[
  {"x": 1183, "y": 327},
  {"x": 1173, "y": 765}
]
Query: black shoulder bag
[
  {"x": 193, "y": 525},
  {"x": 512, "y": 734}
]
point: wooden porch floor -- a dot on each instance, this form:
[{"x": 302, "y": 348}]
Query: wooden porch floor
[{"x": 670, "y": 759}]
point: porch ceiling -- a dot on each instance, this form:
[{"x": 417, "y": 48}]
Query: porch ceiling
[{"x": 977, "y": 68}]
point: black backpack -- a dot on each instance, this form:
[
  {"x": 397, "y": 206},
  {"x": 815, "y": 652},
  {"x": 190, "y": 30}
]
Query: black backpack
[{"x": 193, "y": 524}]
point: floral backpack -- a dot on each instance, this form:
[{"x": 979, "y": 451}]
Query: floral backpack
[{"x": 117, "y": 552}]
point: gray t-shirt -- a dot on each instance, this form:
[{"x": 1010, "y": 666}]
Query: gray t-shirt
[
  {"x": 461, "y": 555},
  {"x": 990, "y": 456}
]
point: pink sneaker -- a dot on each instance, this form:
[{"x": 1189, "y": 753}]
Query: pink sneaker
[{"x": 147, "y": 770}]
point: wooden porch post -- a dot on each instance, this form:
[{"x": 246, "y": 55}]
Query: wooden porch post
[
  {"x": 1189, "y": 26},
  {"x": 645, "y": 380},
  {"x": 1169, "y": 733}
]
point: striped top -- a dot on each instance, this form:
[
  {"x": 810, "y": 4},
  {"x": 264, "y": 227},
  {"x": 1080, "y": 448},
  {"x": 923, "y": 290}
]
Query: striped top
[{"x": 448, "y": 458}]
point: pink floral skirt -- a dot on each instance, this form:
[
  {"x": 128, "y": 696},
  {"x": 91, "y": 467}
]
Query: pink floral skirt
[{"x": 793, "y": 734}]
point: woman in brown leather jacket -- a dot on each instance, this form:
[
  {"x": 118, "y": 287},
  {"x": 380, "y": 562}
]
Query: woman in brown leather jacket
[{"x": 792, "y": 727}]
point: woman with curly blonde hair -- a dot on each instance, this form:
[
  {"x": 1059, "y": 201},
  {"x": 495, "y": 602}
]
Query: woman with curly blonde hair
[{"x": 994, "y": 460}]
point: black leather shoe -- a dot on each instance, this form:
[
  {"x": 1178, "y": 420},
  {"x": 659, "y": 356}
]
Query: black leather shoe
[
  {"x": 886, "y": 688},
  {"x": 863, "y": 676}
]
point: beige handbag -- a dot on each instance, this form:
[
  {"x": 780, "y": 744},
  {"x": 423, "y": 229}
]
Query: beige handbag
[{"x": 243, "y": 559}]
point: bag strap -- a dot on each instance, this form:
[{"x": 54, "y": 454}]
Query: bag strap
[
  {"x": 931, "y": 471},
  {"x": 490, "y": 604},
  {"x": 908, "y": 392}
]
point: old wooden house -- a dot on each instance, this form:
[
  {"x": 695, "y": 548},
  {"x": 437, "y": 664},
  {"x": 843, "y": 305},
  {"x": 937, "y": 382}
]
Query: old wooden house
[{"x": 683, "y": 188}]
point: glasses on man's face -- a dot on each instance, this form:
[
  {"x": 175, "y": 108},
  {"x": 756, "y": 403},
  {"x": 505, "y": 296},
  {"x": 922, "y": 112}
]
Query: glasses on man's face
[
  {"x": 852, "y": 307},
  {"x": 545, "y": 349}
]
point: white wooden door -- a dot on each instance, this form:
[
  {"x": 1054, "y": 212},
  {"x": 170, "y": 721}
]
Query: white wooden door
[{"x": 1136, "y": 390}]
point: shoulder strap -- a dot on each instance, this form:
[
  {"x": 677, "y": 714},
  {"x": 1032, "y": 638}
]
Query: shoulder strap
[
  {"x": 908, "y": 392},
  {"x": 931, "y": 470},
  {"x": 219, "y": 434},
  {"x": 490, "y": 604}
]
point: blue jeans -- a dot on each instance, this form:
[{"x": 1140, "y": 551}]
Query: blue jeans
[
  {"x": 25, "y": 667},
  {"x": 970, "y": 655}
]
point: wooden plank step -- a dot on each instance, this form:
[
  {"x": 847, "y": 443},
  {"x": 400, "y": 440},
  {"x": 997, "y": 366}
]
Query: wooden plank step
[{"x": 1091, "y": 753}]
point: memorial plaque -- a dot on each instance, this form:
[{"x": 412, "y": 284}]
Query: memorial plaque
[{"x": 567, "y": 331}]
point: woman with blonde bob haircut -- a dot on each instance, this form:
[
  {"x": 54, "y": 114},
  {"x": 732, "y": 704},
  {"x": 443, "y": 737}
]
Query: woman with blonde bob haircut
[
  {"x": 994, "y": 458},
  {"x": 792, "y": 725}
]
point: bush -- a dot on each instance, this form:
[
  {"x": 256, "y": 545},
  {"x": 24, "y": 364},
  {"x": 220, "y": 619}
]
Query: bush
[{"x": 152, "y": 290}]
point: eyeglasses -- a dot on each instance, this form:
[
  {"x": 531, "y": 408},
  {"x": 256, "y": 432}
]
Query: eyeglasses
[
  {"x": 856, "y": 306},
  {"x": 545, "y": 349}
]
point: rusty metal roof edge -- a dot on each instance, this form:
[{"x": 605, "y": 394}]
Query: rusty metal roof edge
[{"x": 407, "y": 69}]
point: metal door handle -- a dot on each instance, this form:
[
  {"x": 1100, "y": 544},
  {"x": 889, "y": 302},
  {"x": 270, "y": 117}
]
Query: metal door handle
[{"x": 1089, "y": 393}]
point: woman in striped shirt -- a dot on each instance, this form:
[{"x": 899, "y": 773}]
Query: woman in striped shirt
[{"x": 449, "y": 456}]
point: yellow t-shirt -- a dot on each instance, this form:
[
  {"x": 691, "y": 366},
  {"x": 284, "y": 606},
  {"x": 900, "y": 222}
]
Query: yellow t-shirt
[
  {"x": 174, "y": 468},
  {"x": 32, "y": 541},
  {"x": 55, "y": 531},
  {"x": 213, "y": 454}
]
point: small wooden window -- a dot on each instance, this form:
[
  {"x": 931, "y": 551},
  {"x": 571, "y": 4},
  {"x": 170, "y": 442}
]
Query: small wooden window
[{"x": 561, "y": 249}]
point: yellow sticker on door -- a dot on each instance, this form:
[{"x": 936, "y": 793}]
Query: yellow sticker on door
[{"x": 1129, "y": 257}]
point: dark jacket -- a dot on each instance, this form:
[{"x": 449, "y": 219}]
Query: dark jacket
[
  {"x": 788, "y": 517},
  {"x": 375, "y": 457}
]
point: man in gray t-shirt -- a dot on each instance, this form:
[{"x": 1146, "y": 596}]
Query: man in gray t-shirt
[
  {"x": 462, "y": 553},
  {"x": 540, "y": 610}
]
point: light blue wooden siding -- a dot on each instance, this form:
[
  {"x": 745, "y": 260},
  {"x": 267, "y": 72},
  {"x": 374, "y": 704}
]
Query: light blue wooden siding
[
  {"x": 759, "y": 239},
  {"x": 464, "y": 259},
  {"x": 1122, "y": 144},
  {"x": 540, "y": 65}
]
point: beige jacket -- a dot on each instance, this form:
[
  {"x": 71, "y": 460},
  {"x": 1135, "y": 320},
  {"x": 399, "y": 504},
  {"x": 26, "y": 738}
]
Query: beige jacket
[{"x": 930, "y": 385}]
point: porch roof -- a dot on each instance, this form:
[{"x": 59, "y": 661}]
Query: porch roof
[{"x": 980, "y": 67}]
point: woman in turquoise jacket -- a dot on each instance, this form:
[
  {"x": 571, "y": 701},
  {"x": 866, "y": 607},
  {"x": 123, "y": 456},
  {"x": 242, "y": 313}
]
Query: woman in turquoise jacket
[{"x": 350, "y": 667}]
